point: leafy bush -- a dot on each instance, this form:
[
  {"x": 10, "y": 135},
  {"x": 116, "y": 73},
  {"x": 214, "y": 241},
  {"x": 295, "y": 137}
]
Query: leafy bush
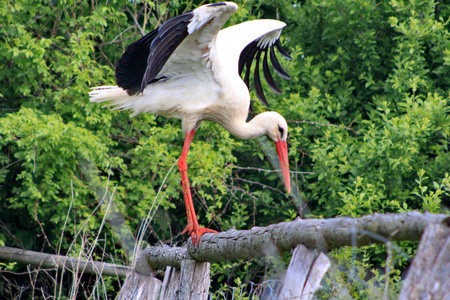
[{"x": 368, "y": 109}]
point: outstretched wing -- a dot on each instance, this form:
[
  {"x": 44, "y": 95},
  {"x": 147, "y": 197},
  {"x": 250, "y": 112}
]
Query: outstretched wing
[
  {"x": 138, "y": 67},
  {"x": 252, "y": 40},
  {"x": 145, "y": 60}
]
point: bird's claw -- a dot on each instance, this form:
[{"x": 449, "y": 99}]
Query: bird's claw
[{"x": 196, "y": 232}]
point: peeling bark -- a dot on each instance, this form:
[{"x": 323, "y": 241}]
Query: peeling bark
[{"x": 325, "y": 234}]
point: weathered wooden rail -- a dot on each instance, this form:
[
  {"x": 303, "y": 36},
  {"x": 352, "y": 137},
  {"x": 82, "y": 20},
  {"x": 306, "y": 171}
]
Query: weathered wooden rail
[
  {"x": 187, "y": 269},
  {"x": 308, "y": 265}
]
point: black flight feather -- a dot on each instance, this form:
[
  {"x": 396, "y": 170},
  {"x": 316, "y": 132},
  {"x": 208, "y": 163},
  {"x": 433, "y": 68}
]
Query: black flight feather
[
  {"x": 143, "y": 60},
  {"x": 258, "y": 86},
  {"x": 131, "y": 66},
  {"x": 246, "y": 59},
  {"x": 277, "y": 66},
  {"x": 248, "y": 65},
  {"x": 268, "y": 76},
  {"x": 282, "y": 51},
  {"x": 170, "y": 35}
]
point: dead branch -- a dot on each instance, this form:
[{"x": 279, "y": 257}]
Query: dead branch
[
  {"x": 324, "y": 124},
  {"x": 45, "y": 260},
  {"x": 234, "y": 245}
]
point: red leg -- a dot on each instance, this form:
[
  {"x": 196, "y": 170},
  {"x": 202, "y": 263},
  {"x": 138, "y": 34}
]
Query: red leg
[{"x": 192, "y": 227}]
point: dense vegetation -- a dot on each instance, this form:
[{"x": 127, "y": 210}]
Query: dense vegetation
[{"x": 367, "y": 107}]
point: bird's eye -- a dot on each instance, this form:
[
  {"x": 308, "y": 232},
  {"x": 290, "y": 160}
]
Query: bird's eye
[{"x": 281, "y": 130}]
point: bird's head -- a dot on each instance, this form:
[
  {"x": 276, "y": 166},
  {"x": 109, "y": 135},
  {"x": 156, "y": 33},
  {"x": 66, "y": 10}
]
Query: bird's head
[{"x": 277, "y": 129}]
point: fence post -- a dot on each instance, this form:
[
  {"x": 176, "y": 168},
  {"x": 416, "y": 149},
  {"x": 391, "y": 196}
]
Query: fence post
[
  {"x": 304, "y": 274},
  {"x": 188, "y": 281},
  {"x": 429, "y": 273},
  {"x": 194, "y": 280},
  {"x": 140, "y": 287},
  {"x": 171, "y": 283}
]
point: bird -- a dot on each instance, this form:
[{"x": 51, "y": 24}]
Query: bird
[{"x": 190, "y": 68}]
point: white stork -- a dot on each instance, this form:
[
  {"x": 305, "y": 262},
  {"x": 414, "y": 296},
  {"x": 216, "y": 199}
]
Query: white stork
[{"x": 189, "y": 69}]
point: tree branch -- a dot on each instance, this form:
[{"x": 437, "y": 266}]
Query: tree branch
[
  {"x": 75, "y": 264},
  {"x": 157, "y": 257},
  {"x": 235, "y": 245}
]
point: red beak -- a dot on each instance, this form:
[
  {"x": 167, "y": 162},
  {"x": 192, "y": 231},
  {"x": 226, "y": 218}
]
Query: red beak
[{"x": 284, "y": 162}]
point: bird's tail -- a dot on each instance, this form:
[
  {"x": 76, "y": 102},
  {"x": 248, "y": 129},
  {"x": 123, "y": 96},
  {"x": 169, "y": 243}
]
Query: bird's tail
[{"x": 117, "y": 97}]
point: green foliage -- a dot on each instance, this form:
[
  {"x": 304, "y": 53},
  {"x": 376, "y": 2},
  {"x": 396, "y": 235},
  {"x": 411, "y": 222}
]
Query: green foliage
[
  {"x": 237, "y": 292},
  {"x": 358, "y": 278},
  {"x": 368, "y": 109},
  {"x": 43, "y": 178},
  {"x": 432, "y": 199}
]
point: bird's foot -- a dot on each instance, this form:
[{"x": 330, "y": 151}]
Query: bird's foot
[{"x": 196, "y": 232}]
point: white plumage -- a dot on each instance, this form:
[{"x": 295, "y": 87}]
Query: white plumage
[{"x": 190, "y": 69}]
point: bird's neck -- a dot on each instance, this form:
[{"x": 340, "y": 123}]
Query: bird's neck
[{"x": 247, "y": 130}]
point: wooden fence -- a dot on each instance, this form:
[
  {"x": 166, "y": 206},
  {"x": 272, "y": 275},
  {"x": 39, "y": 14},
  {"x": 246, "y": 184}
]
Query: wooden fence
[{"x": 187, "y": 276}]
